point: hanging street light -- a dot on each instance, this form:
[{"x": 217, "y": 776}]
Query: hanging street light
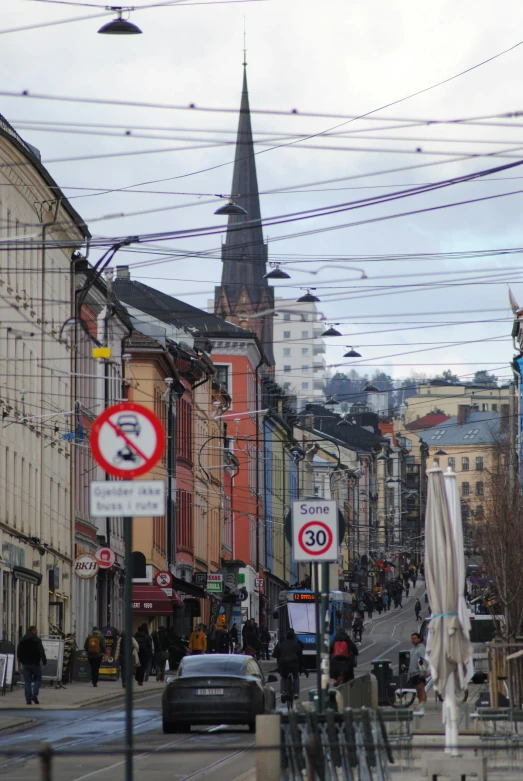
[
  {"x": 308, "y": 297},
  {"x": 276, "y": 272},
  {"x": 331, "y": 331},
  {"x": 331, "y": 402},
  {"x": 370, "y": 388},
  {"x": 352, "y": 354},
  {"x": 119, "y": 26},
  {"x": 231, "y": 208}
]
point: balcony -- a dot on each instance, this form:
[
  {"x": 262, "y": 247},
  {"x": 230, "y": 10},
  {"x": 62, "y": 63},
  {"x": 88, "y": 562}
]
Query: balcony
[{"x": 318, "y": 349}]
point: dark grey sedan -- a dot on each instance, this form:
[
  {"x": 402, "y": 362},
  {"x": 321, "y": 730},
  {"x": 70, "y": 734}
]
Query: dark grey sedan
[{"x": 216, "y": 689}]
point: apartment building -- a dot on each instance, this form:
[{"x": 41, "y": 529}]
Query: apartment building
[{"x": 299, "y": 350}]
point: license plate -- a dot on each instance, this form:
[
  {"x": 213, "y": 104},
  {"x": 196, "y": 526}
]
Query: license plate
[{"x": 209, "y": 692}]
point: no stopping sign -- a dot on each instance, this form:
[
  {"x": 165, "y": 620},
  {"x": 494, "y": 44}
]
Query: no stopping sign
[{"x": 315, "y": 530}]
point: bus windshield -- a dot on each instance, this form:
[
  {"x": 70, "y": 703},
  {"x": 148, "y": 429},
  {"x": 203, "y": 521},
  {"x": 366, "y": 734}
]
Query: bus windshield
[{"x": 302, "y": 617}]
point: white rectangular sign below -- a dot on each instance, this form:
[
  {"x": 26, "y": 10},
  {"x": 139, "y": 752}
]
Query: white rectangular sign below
[
  {"x": 127, "y": 498},
  {"x": 315, "y": 530}
]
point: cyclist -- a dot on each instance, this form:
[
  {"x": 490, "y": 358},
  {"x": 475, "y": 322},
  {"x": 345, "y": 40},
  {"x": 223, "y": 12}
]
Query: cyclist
[
  {"x": 417, "y": 609},
  {"x": 357, "y": 628},
  {"x": 417, "y": 668},
  {"x": 289, "y": 655},
  {"x": 343, "y": 653}
]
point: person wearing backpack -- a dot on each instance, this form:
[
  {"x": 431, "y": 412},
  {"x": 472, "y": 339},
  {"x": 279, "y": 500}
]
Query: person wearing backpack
[
  {"x": 343, "y": 653},
  {"x": 95, "y": 647}
]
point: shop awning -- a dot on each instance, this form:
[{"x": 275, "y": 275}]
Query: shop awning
[
  {"x": 189, "y": 588},
  {"x": 154, "y": 601}
]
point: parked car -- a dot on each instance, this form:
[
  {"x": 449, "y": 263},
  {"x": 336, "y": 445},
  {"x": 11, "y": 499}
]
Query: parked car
[
  {"x": 216, "y": 689},
  {"x": 483, "y": 629}
]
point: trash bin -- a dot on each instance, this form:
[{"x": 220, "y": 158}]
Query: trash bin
[
  {"x": 403, "y": 662},
  {"x": 382, "y": 669}
]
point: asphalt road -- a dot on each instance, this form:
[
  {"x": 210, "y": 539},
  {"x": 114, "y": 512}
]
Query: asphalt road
[{"x": 219, "y": 752}]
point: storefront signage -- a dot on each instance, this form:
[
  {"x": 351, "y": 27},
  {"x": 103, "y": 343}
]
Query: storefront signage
[
  {"x": 86, "y": 566},
  {"x": 200, "y": 579},
  {"x": 214, "y": 582},
  {"x": 260, "y": 585},
  {"x": 106, "y": 557}
]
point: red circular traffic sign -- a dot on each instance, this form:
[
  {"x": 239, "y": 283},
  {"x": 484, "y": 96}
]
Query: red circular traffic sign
[
  {"x": 105, "y": 557},
  {"x": 127, "y": 439},
  {"x": 164, "y": 579},
  {"x": 319, "y": 538}
]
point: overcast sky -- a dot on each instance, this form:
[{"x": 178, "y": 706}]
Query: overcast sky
[{"x": 334, "y": 58}]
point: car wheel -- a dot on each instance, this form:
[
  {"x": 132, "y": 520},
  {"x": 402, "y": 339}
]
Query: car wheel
[
  {"x": 168, "y": 727},
  {"x": 252, "y": 726}
]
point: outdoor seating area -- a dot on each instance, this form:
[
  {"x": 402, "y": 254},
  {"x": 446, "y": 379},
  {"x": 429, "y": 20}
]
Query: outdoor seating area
[{"x": 501, "y": 735}]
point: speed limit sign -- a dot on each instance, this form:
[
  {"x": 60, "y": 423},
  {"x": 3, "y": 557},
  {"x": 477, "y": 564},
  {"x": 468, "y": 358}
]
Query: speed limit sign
[{"x": 315, "y": 530}]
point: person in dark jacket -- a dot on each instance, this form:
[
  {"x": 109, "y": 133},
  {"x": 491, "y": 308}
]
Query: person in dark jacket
[
  {"x": 343, "y": 653},
  {"x": 234, "y": 638},
  {"x": 221, "y": 641},
  {"x": 31, "y": 655},
  {"x": 160, "y": 640},
  {"x": 145, "y": 652},
  {"x": 289, "y": 655},
  {"x": 265, "y": 639},
  {"x": 95, "y": 647}
]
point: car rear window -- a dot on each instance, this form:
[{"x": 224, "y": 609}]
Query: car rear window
[{"x": 208, "y": 664}]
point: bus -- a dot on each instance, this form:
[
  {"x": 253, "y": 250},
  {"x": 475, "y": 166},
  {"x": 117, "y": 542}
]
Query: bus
[{"x": 297, "y": 610}]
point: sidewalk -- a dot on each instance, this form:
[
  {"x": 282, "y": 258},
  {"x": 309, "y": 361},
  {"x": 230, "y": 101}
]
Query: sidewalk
[{"x": 77, "y": 695}]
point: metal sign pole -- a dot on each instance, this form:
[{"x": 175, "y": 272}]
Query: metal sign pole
[
  {"x": 318, "y": 637},
  {"x": 128, "y": 648}
]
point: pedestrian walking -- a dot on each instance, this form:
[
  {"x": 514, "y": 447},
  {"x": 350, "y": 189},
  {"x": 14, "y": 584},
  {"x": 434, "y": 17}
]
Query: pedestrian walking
[
  {"x": 265, "y": 639},
  {"x": 418, "y": 668},
  {"x": 417, "y": 609},
  {"x": 177, "y": 649},
  {"x": 378, "y": 604},
  {"x": 357, "y": 628},
  {"x": 31, "y": 655},
  {"x": 221, "y": 641},
  {"x": 197, "y": 641},
  {"x": 95, "y": 647},
  {"x": 385, "y": 600},
  {"x": 150, "y": 652},
  {"x": 407, "y": 588},
  {"x": 145, "y": 653},
  {"x": 370, "y": 608},
  {"x": 234, "y": 638},
  {"x": 161, "y": 644},
  {"x": 361, "y": 609},
  {"x": 120, "y": 655}
]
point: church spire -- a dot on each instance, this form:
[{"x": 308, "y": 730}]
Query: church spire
[{"x": 243, "y": 290}]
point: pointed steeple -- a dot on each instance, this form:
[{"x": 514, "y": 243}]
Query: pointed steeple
[{"x": 244, "y": 291}]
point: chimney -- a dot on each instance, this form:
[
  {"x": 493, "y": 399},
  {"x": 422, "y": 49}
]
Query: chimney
[
  {"x": 463, "y": 413},
  {"x": 504, "y": 418},
  {"x": 122, "y": 272}
]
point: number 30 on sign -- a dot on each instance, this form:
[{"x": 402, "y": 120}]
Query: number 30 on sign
[{"x": 315, "y": 530}]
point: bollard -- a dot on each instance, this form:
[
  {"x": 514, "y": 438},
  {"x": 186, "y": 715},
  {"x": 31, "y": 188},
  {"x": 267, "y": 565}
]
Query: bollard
[
  {"x": 382, "y": 669},
  {"x": 268, "y": 734},
  {"x": 46, "y": 759}
]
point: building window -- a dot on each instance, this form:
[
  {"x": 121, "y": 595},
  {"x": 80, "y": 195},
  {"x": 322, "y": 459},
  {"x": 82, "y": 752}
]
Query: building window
[
  {"x": 465, "y": 489},
  {"x": 286, "y": 334},
  {"x": 304, "y": 317},
  {"x": 304, "y": 350},
  {"x": 286, "y": 351},
  {"x": 286, "y": 317},
  {"x": 479, "y": 463},
  {"x": 471, "y": 433},
  {"x": 465, "y": 464},
  {"x": 304, "y": 334},
  {"x": 436, "y": 461},
  {"x": 305, "y": 386},
  {"x": 484, "y": 407},
  {"x": 494, "y": 408},
  {"x": 480, "y": 513},
  {"x": 479, "y": 489},
  {"x": 437, "y": 434},
  {"x": 222, "y": 375},
  {"x": 452, "y": 462},
  {"x": 304, "y": 369},
  {"x": 286, "y": 368}
]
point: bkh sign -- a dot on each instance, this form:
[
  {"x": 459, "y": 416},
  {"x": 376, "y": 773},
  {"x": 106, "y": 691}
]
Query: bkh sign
[
  {"x": 315, "y": 530},
  {"x": 86, "y": 566}
]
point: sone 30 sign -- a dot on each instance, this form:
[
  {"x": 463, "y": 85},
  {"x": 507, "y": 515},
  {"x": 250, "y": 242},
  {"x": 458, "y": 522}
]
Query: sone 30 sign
[{"x": 315, "y": 530}]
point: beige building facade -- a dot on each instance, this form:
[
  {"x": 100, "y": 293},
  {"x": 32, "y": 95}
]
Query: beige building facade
[
  {"x": 446, "y": 397},
  {"x": 39, "y": 230}
]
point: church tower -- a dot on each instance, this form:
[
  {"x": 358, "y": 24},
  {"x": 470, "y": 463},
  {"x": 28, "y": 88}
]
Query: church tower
[{"x": 244, "y": 292}]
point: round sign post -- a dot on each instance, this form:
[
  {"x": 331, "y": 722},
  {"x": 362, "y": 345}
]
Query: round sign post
[
  {"x": 315, "y": 540},
  {"x": 164, "y": 579},
  {"x": 127, "y": 440}
]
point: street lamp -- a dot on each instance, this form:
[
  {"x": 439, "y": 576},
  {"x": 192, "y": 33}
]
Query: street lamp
[
  {"x": 308, "y": 297},
  {"x": 119, "y": 26},
  {"x": 352, "y": 354},
  {"x": 331, "y": 331},
  {"x": 231, "y": 208},
  {"x": 276, "y": 272}
]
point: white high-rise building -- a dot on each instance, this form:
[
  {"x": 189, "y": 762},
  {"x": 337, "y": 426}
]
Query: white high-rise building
[{"x": 299, "y": 350}]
